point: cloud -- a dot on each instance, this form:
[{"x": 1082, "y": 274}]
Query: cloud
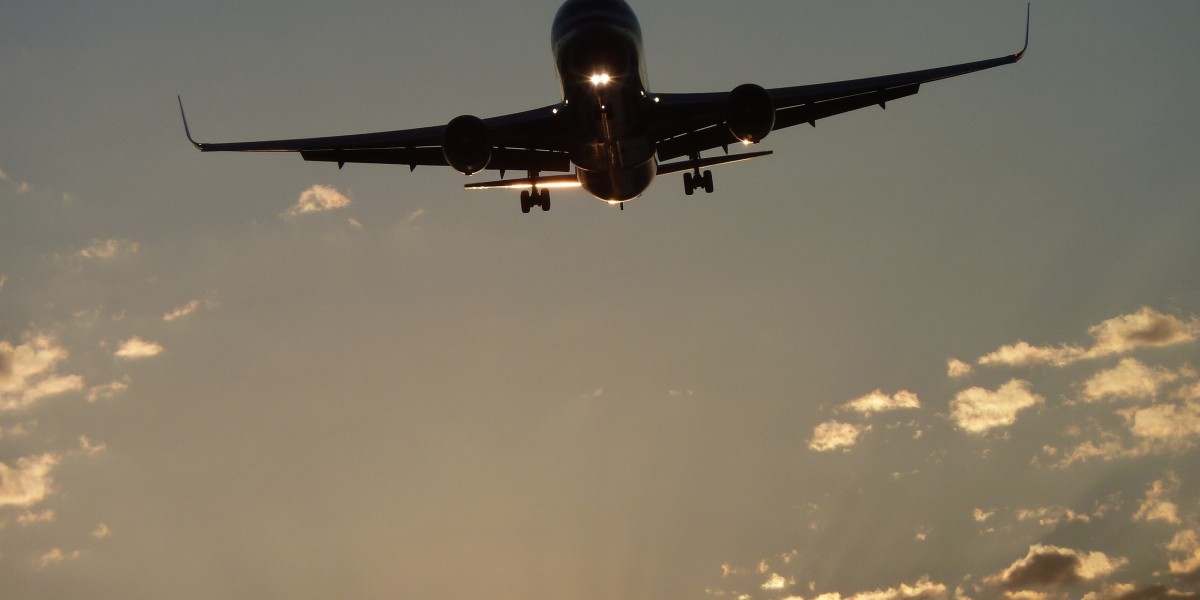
[
  {"x": 1052, "y": 515},
  {"x": 1186, "y": 542},
  {"x": 182, "y": 311},
  {"x": 956, "y": 368},
  {"x": 101, "y": 531},
  {"x": 29, "y": 482},
  {"x": 1129, "y": 379},
  {"x": 28, "y": 372},
  {"x": 1155, "y": 506},
  {"x": 832, "y": 435},
  {"x": 877, "y": 401},
  {"x": 109, "y": 249},
  {"x": 1023, "y": 354},
  {"x": 3, "y": 280},
  {"x": 57, "y": 556},
  {"x": 1169, "y": 424},
  {"x": 24, "y": 187},
  {"x": 923, "y": 589},
  {"x": 30, "y": 517},
  {"x": 88, "y": 448},
  {"x": 106, "y": 391},
  {"x": 3, "y": 175},
  {"x": 1144, "y": 328},
  {"x": 1128, "y": 591},
  {"x": 318, "y": 198},
  {"x": 979, "y": 410},
  {"x": 778, "y": 582},
  {"x": 190, "y": 308},
  {"x": 1054, "y": 568},
  {"x": 135, "y": 348}
]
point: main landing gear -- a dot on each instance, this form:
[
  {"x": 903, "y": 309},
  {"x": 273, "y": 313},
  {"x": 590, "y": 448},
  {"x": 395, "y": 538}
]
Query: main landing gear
[
  {"x": 694, "y": 180},
  {"x": 535, "y": 197}
]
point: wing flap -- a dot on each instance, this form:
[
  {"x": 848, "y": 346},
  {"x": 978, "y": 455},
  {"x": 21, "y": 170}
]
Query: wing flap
[{"x": 506, "y": 159}]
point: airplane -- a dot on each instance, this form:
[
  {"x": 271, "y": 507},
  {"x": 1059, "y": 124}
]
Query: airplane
[{"x": 609, "y": 134}]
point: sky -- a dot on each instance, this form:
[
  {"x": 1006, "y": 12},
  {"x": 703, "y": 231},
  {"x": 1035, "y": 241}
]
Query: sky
[{"x": 946, "y": 350}]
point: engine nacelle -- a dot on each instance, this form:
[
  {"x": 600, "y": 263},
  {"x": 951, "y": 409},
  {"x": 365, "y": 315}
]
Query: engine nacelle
[
  {"x": 749, "y": 113},
  {"x": 467, "y": 145}
]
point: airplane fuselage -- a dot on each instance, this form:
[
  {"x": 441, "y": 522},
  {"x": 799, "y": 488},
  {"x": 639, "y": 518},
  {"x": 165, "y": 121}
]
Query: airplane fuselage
[{"x": 597, "y": 46}]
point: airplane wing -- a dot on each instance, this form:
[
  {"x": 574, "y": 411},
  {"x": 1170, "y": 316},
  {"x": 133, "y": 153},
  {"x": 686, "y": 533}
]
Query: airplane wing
[
  {"x": 691, "y": 123},
  {"x": 526, "y": 141}
]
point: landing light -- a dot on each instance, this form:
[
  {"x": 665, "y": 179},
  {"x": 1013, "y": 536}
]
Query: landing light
[{"x": 600, "y": 79}]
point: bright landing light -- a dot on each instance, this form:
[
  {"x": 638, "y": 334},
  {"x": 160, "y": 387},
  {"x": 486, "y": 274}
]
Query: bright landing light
[{"x": 600, "y": 79}]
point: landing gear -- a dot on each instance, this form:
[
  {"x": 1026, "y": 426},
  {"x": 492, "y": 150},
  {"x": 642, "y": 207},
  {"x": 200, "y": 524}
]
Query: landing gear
[
  {"x": 695, "y": 181},
  {"x": 536, "y": 197}
]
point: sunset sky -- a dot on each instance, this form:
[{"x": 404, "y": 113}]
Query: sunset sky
[{"x": 948, "y": 350}]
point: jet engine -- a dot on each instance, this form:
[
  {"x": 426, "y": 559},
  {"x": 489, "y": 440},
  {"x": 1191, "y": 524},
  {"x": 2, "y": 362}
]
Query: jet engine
[
  {"x": 749, "y": 113},
  {"x": 467, "y": 145}
]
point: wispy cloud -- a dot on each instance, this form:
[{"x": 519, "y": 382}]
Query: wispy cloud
[
  {"x": 1144, "y": 328},
  {"x": 136, "y": 348},
  {"x": 106, "y": 391},
  {"x": 182, "y": 311},
  {"x": 318, "y": 198},
  {"x": 832, "y": 435},
  {"x": 1187, "y": 544},
  {"x": 979, "y": 410},
  {"x": 30, "y": 517},
  {"x": 28, "y": 372},
  {"x": 29, "y": 482},
  {"x": 877, "y": 401},
  {"x": 1129, "y": 591},
  {"x": 90, "y": 449},
  {"x": 923, "y": 589},
  {"x": 101, "y": 531},
  {"x": 109, "y": 249},
  {"x": 57, "y": 556},
  {"x": 1155, "y": 506}
]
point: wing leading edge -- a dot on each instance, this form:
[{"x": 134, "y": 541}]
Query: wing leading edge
[
  {"x": 692, "y": 123},
  {"x": 528, "y": 141}
]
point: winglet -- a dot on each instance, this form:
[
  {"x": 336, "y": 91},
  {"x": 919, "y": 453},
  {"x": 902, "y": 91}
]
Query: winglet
[
  {"x": 1028, "y": 9},
  {"x": 187, "y": 131}
]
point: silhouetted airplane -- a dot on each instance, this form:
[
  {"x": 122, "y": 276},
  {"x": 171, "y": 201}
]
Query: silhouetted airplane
[{"x": 608, "y": 125}]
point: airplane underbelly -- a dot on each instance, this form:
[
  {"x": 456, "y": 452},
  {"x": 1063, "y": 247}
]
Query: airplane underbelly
[{"x": 618, "y": 184}]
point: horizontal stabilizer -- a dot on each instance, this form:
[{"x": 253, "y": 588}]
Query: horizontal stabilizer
[
  {"x": 687, "y": 165},
  {"x": 553, "y": 181}
]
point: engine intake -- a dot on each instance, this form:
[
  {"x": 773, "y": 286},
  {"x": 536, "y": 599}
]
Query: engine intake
[
  {"x": 467, "y": 145},
  {"x": 749, "y": 113}
]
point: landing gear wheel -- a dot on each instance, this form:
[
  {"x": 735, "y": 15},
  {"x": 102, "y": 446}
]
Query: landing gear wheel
[
  {"x": 525, "y": 203},
  {"x": 544, "y": 195},
  {"x": 688, "y": 186},
  {"x": 708, "y": 182}
]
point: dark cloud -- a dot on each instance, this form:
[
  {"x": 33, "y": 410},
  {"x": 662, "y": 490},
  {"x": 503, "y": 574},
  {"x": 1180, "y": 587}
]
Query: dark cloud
[
  {"x": 1044, "y": 571},
  {"x": 1157, "y": 592},
  {"x": 1052, "y": 568}
]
